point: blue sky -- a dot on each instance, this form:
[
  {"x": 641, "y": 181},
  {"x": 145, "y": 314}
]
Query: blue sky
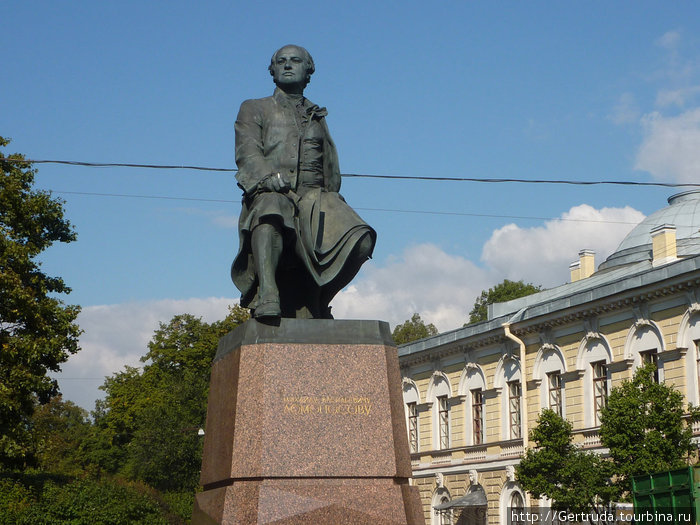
[{"x": 552, "y": 90}]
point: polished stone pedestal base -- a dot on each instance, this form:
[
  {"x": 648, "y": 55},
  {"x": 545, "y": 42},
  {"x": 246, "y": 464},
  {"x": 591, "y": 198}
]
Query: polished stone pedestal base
[{"x": 305, "y": 424}]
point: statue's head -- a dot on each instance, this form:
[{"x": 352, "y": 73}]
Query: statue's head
[{"x": 291, "y": 64}]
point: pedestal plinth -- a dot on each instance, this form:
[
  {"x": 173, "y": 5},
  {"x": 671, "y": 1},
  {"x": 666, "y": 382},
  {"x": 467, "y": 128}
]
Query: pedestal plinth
[{"x": 305, "y": 424}]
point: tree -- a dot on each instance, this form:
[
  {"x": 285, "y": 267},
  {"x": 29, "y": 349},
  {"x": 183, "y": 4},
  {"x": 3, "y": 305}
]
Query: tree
[
  {"x": 147, "y": 426},
  {"x": 644, "y": 427},
  {"x": 60, "y": 430},
  {"x": 576, "y": 481},
  {"x": 37, "y": 330},
  {"x": 505, "y": 291},
  {"x": 412, "y": 330}
]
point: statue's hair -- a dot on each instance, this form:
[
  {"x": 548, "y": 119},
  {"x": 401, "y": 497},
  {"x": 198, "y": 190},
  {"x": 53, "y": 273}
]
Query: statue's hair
[{"x": 308, "y": 62}]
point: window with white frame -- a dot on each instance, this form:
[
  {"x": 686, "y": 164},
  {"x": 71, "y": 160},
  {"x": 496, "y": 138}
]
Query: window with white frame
[
  {"x": 445, "y": 517},
  {"x": 517, "y": 507},
  {"x": 514, "y": 396},
  {"x": 412, "y": 410},
  {"x": 651, "y": 356},
  {"x": 600, "y": 389},
  {"x": 554, "y": 392},
  {"x": 411, "y": 400},
  {"x": 549, "y": 369},
  {"x": 477, "y": 416},
  {"x": 444, "y": 421},
  {"x": 644, "y": 345}
]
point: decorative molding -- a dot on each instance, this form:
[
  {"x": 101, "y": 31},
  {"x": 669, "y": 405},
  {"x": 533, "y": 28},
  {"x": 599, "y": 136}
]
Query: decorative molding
[
  {"x": 473, "y": 477},
  {"x": 565, "y": 316},
  {"x": 693, "y": 300},
  {"x": 641, "y": 315},
  {"x": 533, "y": 384},
  {"x": 621, "y": 365},
  {"x": 490, "y": 393},
  {"x": 456, "y": 400},
  {"x": 547, "y": 341},
  {"x": 672, "y": 355},
  {"x": 510, "y": 473},
  {"x": 590, "y": 328},
  {"x": 439, "y": 480},
  {"x": 471, "y": 366},
  {"x": 572, "y": 375}
]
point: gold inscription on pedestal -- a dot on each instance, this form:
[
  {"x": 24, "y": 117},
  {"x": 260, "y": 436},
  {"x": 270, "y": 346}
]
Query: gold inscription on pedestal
[{"x": 331, "y": 405}]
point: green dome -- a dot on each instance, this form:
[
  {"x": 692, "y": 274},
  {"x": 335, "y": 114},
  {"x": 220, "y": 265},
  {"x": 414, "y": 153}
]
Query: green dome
[{"x": 683, "y": 212}]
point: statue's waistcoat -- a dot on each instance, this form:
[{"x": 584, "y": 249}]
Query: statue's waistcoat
[{"x": 268, "y": 140}]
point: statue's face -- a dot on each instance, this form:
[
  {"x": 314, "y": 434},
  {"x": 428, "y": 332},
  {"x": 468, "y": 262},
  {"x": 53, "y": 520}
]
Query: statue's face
[{"x": 289, "y": 68}]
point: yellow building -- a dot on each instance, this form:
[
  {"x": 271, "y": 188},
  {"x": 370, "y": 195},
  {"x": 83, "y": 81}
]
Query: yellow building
[{"x": 472, "y": 394}]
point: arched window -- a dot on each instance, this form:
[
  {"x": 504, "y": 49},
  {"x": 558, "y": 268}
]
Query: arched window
[
  {"x": 689, "y": 340},
  {"x": 411, "y": 401},
  {"x": 643, "y": 345},
  {"x": 439, "y": 393},
  {"x": 508, "y": 380},
  {"x": 445, "y": 516},
  {"x": 549, "y": 368},
  {"x": 512, "y": 504},
  {"x": 472, "y": 386},
  {"x": 441, "y": 517},
  {"x": 517, "y": 508},
  {"x": 593, "y": 359}
]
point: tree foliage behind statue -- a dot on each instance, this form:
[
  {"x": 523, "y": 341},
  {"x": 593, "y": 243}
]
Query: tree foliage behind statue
[
  {"x": 505, "y": 291},
  {"x": 645, "y": 428},
  {"x": 577, "y": 481},
  {"x": 37, "y": 330},
  {"x": 412, "y": 330},
  {"x": 147, "y": 425}
]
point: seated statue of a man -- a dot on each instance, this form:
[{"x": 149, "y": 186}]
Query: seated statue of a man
[{"x": 300, "y": 243}]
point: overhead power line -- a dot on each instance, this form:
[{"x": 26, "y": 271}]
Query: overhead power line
[
  {"x": 370, "y": 176},
  {"x": 116, "y": 164},
  {"x": 390, "y": 210}
]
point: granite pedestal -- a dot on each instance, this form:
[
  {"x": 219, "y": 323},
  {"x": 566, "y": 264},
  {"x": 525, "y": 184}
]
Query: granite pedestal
[{"x": 305, "y": 424}]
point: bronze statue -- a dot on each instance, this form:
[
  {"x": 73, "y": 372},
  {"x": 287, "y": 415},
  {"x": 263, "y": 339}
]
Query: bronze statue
[{"x": 300, "y": 243}]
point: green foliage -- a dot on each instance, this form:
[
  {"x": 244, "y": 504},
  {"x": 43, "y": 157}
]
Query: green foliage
[
  {"x": 505, "y": 291},
  {"x": 412, "y": 330},
  {"x": 180, "y": 503},
  {"x": 39, "y": 499},
  {"x": 643, "y": 426},
  {"x": 147, "y": 426},
  {"x": 60, "y": 431},
  {"x": 37, "y": 331},
  {"x": 577, "y": 481}
]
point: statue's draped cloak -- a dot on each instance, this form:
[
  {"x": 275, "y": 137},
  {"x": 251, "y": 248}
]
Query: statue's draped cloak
[{"x": 280, "y": 134}]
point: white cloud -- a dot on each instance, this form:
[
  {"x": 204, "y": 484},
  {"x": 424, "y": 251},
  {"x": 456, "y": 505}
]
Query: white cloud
[
  {"x": 216, "y": 217},
  {"x": 669, "y": 40},
  {"x": 117, "y": 335},
  {"x": 424, "y": 279},
  {"x": 677, "y": 97},
  {"x": 229, "y": 222},
  {"x": 626, "y": 111},
  {"x": 671, "y": 146},
  {"x": 542, "y": 254}
]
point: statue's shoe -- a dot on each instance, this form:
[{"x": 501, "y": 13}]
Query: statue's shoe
[{"x": 268, "y": 308}]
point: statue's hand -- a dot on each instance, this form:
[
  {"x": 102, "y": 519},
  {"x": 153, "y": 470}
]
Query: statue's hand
[{"x": 275, "y": 182}]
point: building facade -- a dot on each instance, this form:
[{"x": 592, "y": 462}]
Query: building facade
[{"x": 472, "y": 395}]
